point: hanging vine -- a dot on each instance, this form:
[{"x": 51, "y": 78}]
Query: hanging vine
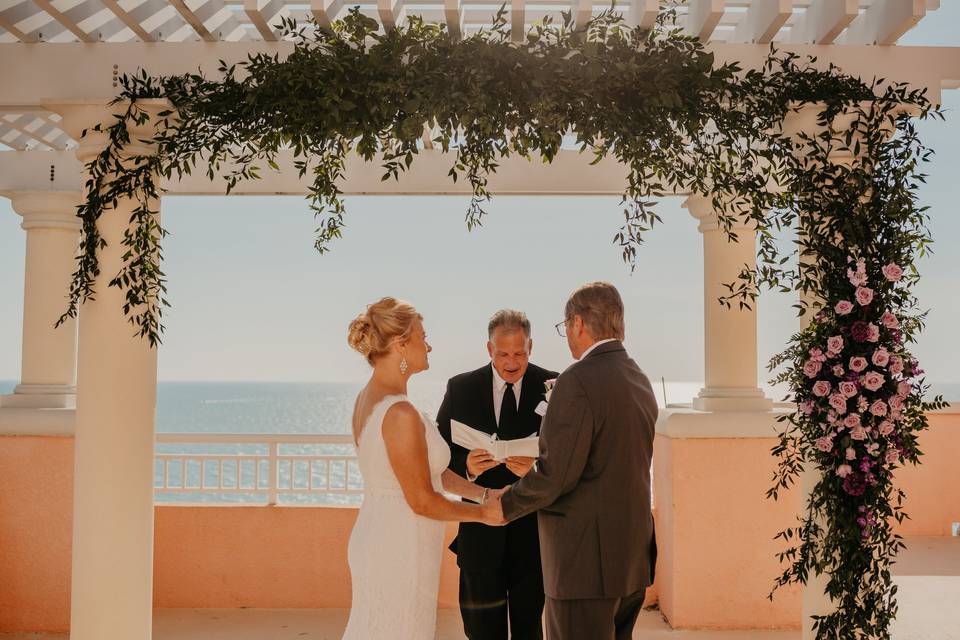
[{"x": 658, "y": 102}]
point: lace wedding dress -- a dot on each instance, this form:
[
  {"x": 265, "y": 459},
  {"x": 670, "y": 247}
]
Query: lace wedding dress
[{"x": 394, "y": 554}]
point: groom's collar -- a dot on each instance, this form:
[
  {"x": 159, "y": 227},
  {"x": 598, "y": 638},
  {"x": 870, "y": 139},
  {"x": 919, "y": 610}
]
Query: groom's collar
[{"x": 602, "y": 346}]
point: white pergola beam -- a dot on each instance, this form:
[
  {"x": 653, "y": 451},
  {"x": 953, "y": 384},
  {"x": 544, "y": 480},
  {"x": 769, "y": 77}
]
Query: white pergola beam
[
  {"x": 453, "y": 16},
  {"x": 261, "y": 14},
  {"x": 193, "y": 20},
  {"x": 391, "y": 13},
  {"x": 8, "y": 25},
  {"x": 824, "y": 21},
  {"x": 326, "y": 11},
  {"x": 643, "y": 13},
  {"x": 570, "y": 173},
  {"x": 84, "y": 71},
  {"x": 64, "y": 21},
  {"x": 762, "y": 21},
  {"x": 124, "y": 17},
  {"x": 703, "y": 16},
  {"x": 884, "y": 22}
]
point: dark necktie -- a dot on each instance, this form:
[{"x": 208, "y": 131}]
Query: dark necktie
[{"x": 508, "y": 411}]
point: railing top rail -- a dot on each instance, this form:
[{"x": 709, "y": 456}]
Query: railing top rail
[{"x": 245, "y": 438}]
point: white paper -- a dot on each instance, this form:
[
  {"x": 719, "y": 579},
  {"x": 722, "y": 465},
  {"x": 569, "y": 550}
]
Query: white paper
[
  {"x": 470, "y": 438},
  {"x": 541, "y": 409}
]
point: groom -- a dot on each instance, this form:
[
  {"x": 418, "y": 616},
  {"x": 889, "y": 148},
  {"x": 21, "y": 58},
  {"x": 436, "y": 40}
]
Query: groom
[
  {"x": 500, "y": 574},
  {"x": 591, "y": 486}
]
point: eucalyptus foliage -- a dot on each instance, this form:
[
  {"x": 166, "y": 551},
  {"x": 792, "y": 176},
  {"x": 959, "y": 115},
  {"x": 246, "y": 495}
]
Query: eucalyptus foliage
[{"x": 677, "y": 121}]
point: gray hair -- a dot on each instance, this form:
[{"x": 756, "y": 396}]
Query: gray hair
[
  {"x": 509, "y": 319},
  {"x": 601, "y": 308}
]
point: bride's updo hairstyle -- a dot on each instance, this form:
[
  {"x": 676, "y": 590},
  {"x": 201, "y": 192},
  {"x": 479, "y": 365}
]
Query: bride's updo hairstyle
[{"x": 386, "y": 320}]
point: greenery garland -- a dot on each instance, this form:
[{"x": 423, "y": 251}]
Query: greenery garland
[{"x": 657, "y": 102}]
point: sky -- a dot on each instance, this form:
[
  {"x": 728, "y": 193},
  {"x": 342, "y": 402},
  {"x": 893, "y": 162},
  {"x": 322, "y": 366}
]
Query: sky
[{"x": 252, "y": 299}]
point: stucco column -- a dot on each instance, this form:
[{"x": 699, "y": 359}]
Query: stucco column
[
  {"x": 730, "y": 335},
  {"x": 112, "y": 579},
  {"x": 48, "y": 354}
]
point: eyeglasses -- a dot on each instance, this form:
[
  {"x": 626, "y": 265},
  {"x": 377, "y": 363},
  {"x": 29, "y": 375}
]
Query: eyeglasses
[{"x": 561, "y": 328}]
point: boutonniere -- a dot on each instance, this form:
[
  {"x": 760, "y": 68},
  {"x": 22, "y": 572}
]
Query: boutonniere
[{"x": 541, "y": 409}]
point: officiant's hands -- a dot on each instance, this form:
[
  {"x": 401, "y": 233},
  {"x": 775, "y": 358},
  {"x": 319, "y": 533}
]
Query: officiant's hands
[
  {"x": 480, "y": 460},
  {"x": 520, "y": 465}
]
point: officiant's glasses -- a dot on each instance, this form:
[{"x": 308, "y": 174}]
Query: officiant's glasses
[{"x": 561, "y": 328}]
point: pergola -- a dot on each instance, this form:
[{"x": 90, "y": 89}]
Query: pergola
[{"x": 59, "y": 64}]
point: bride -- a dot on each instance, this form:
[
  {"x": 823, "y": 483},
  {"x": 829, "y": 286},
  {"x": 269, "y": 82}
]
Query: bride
[{"x": 397, "y": 543}]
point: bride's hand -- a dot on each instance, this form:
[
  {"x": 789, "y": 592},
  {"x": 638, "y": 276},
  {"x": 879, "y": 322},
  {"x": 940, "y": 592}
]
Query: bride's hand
[{"x": 491, "y": 511}]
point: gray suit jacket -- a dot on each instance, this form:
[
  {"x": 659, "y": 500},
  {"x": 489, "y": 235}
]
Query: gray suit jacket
[{"x": 592, "y": 480}]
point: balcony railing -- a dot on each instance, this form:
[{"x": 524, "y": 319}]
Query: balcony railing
[{"x": 256, "y": 469}]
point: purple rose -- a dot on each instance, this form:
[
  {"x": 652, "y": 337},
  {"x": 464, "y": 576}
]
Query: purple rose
[
  {"x": 864, "y": 296},
  {"x": 843, "y": 307},
  {"x": 854, "y": 485},
  {"x": 860, "y": 331}
]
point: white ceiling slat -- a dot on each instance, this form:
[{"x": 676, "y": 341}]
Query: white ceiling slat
[
  {"x": 824, "y": 20},
  {"x": 66, "y": 22},
  {"x": 263, "y": 14},
  {"x": 326, "y": 11},
  {"x": 643, "y": 13},
  {"x": 191, "y": 18},
  {"x": 128, "y": 20},
  {"x": 453, "y": 16},
  {"x": 392, "y": 13},
  {"x": 702, "y": 18},
  {"x": 11, "y": 27},
  {"x": 762, "y": 21},
  {"x": 884, "y": 22},
  {"x": 26, "y": 138}
]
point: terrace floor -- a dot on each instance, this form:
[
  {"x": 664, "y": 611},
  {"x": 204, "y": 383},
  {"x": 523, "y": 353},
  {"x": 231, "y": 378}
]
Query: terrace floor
[{"x": 928, "y": 576}]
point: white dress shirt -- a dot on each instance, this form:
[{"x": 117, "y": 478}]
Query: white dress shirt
[
  {"x": 500, "y": 388},
  {"x": 594, "y": 346}
]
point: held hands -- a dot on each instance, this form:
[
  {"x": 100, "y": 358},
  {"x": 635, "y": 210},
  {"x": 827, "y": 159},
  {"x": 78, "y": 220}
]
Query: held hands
[
  {"x": 520, "y": 465},
  {"x": 478, "y": 461},
  {"x": 491, "y": 510}
]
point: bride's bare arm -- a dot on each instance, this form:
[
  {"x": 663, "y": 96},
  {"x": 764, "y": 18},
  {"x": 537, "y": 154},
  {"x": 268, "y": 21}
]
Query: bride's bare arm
[
  {"x": 407, "y": 450},
  {"x": 458, "y": 485}
]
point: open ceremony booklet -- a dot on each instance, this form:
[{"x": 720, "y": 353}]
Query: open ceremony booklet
[{"x": 469, "y": 438}]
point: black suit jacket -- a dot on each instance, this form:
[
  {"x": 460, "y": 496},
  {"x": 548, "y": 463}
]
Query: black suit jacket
[{"x": 469, "y": 399}]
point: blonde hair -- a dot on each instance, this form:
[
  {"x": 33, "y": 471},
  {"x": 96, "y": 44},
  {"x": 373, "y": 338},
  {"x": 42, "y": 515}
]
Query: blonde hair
[{"x": 385, "y": 321}]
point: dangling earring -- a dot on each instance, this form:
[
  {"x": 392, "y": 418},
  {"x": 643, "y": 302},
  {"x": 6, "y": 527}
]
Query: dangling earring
[{"x": 403, "y": 367}]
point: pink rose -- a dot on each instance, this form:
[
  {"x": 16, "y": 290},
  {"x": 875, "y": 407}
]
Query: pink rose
[
  {"x": 858, "y": 433},
  {"x": 873, "y": 380},
  {"x": 844, "y": 470},
  {"x": 857, "y": 277},
  {"x": 896, "y": 414},
  {"x": 811, "y": 368},
  {"x": 835, "y": 344},
  {"x": 858, "y": 363},
  {"x": 806, "y": 407},
  {"x": 880, "y": 357},
  {"x": 864, "y": 296},
  {"x": 851, "y": 453},
  {"x": 825, "y": 443},
  {"x": 848, "y": 389},
  {"x": 886, "y": 428},
  {"x": 852, "y": 421},
  {"x": 896, "y": 364},
  {"x": 892, "y": 456},
  {"x": 873, "y": 332},
  {"x": 879, "y": 408},
  {"x": 843, "y": 307},
  {"x": 904, "y": 389},
  {"x": 892, "y": 272},
  {"x": 889, "y": 320},
  {"x": 821, "y": 388},
  {"x": 896, "y": 403},
  {"x": 838, "y": 402}
]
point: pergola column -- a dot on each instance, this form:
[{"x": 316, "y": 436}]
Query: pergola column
[
  {"x": 48, "y": 354},
  {"x": 112, "y": 579},
  {"x": 730, "y": 334}
]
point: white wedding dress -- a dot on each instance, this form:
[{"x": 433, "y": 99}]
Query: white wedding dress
[{"x": 394, "y": 554}]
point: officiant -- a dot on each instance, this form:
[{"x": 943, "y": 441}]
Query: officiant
[{"x": 500, "y": 574}]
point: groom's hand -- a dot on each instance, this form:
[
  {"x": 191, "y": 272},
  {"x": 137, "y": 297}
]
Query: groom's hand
[
  {"x": 520, "y": 465},
  {"x": 480, "y": 460}
]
